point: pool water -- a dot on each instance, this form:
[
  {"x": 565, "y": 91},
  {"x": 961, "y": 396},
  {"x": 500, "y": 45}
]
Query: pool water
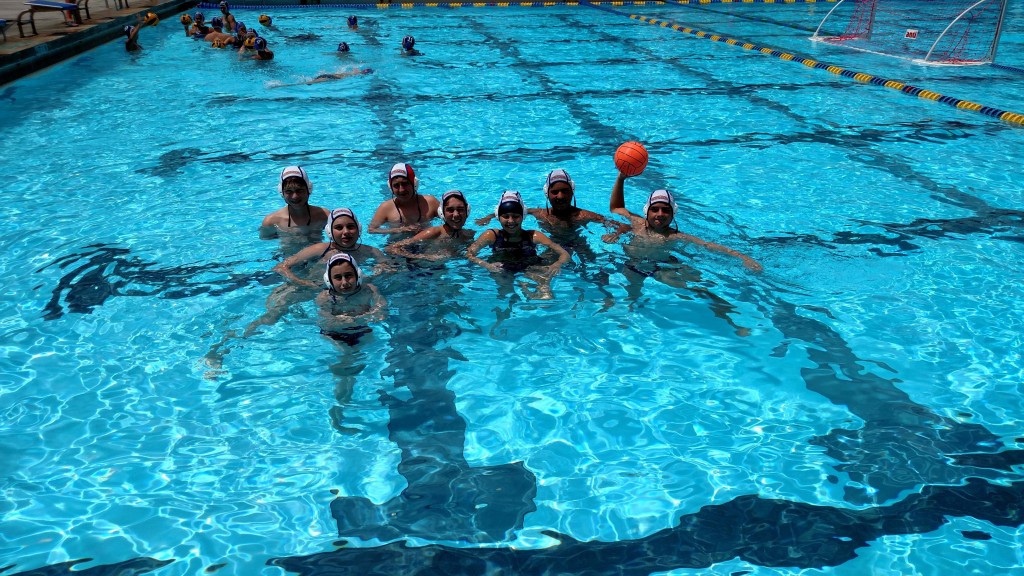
[{"x": 853, "y": 409}]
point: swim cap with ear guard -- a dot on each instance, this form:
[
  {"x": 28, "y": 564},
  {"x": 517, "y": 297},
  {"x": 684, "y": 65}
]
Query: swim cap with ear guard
[
  {"x": 294, "y": 172},
  {"x": 510, "y": 201},
  {"x": 447, "y": 196},
  {"x": 404, "y": 170},
  {"x": 559, "y": 175},
  {"x": 336, "y": 259},
  {"x": 338, "y": 213},
  {"x": 661, "y": 197}
]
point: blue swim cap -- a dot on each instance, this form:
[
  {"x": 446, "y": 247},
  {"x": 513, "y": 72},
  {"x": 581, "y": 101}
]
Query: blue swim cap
[
  {"x": 239, "y": 26},
  {"x": 408, "y": 42},
  {"x": 342, "y": 47},
  {"x": 367, "y": 70},
  {"x": 217, "y": 22},
  {"x": 223, "y": 4},
  {"x": 352, "y": 21},
  {"x": 199, "y": 18},
  {"x": 260, "y": 44},
  {"x": 128, "y": 30}
]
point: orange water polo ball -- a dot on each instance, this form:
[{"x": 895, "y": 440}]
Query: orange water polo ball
[
  {"x": 152, "y": 19},
  {"x": 186, "y": 19},
  {"x": 631, "y": 158}
]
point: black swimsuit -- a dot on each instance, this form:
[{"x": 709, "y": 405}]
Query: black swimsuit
[{"x": 515, "y": 256}]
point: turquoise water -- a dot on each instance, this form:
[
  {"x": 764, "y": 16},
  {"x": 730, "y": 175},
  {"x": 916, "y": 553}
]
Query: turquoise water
[{"x": 869, "y": 421}]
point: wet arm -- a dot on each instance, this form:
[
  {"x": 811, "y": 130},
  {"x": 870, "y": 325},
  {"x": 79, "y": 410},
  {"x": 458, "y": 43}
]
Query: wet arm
[
  {"x": 563, "y": 256},
  {"x": 305, "y": 255},
  {"x": 749, "y": 262},
  {"x": 485, "y": 239}
]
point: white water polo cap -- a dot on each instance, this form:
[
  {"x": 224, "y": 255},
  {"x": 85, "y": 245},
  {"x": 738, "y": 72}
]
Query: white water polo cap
[
  {"x": 559, "y": 175},
  {"x": 444, "y": 200},
  {"x": 661, "y": 197},
  {"x": 338, "y": 213},
  {"x": 341, "y": 257},
  {"x": 404, "y": 170},
  {"x": 510, "y": 201},
  {"x": 294, "y": 172}
]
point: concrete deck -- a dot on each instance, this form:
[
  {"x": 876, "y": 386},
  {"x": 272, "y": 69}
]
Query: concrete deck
[{"x": 56, "y": 42}]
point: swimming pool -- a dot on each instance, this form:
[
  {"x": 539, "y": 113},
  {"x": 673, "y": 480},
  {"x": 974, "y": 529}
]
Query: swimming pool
[{"x": 868, "y": 423}]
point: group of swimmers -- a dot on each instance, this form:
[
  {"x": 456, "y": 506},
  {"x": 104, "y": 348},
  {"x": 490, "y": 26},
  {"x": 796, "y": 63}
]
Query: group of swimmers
[
  {"x": 238, "y": 36},
  {"x": 225, "y": 31},
  {"x": 347, "y": 299}
]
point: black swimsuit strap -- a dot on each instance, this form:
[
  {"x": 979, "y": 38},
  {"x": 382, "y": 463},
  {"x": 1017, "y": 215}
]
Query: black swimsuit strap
[
  {"x": 419, "y": 211},
  {"x": 309, "y": 216}
]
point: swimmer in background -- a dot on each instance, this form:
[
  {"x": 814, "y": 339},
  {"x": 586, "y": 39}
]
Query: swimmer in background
[
  {"x": 249, "y": 43},
  {"x": 348, "y": 303},
  {"x": 514, "y": 249},
  {"x": 298, "y": 216},
  {"x": 343, "y": 49},
  {"x": 218, "y": 32},
  {"x": 262, "y": 53},
  {"x": 199, "y": 28},
  {"x": 343, "y": 233},
  {"x": 447, "y": 240},
  {"x": 227, "y": 16},
  {"x": 408, "y": 47},
  {"x": 408, "y": 210},
  {"x": 131, "y": 41},
  {"x": 353, "y": 23},
  {"x": 561, "y": 217},
  {"x": 328, "y": 77}
]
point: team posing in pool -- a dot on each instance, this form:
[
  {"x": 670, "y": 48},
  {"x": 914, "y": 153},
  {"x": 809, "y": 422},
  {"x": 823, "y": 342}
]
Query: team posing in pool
[{"x": 348, "y": 300}]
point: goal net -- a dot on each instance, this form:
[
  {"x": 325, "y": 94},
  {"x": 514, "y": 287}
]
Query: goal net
[{"x": 931, "y": 31}]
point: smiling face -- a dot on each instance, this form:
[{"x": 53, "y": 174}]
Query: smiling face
[
  {"x": 343, "y": 277},
  {"x": 294, "y": 192},
  {"x": 560, "y": 196},
  {"x": 455, "y": 212},
  {"x": 345, "y": 232},
  {"x": 659, "y": 216},
  {"x": 402, "y": 188},
  {"x": 511, "y": 222}
]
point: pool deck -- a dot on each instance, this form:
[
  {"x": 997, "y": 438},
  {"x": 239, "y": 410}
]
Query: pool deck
[{"x": 55, "y": 41}]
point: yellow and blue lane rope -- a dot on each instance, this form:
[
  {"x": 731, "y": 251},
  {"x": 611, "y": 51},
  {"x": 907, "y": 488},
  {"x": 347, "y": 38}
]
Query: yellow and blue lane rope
[{"x": 1004, "y": 115}]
